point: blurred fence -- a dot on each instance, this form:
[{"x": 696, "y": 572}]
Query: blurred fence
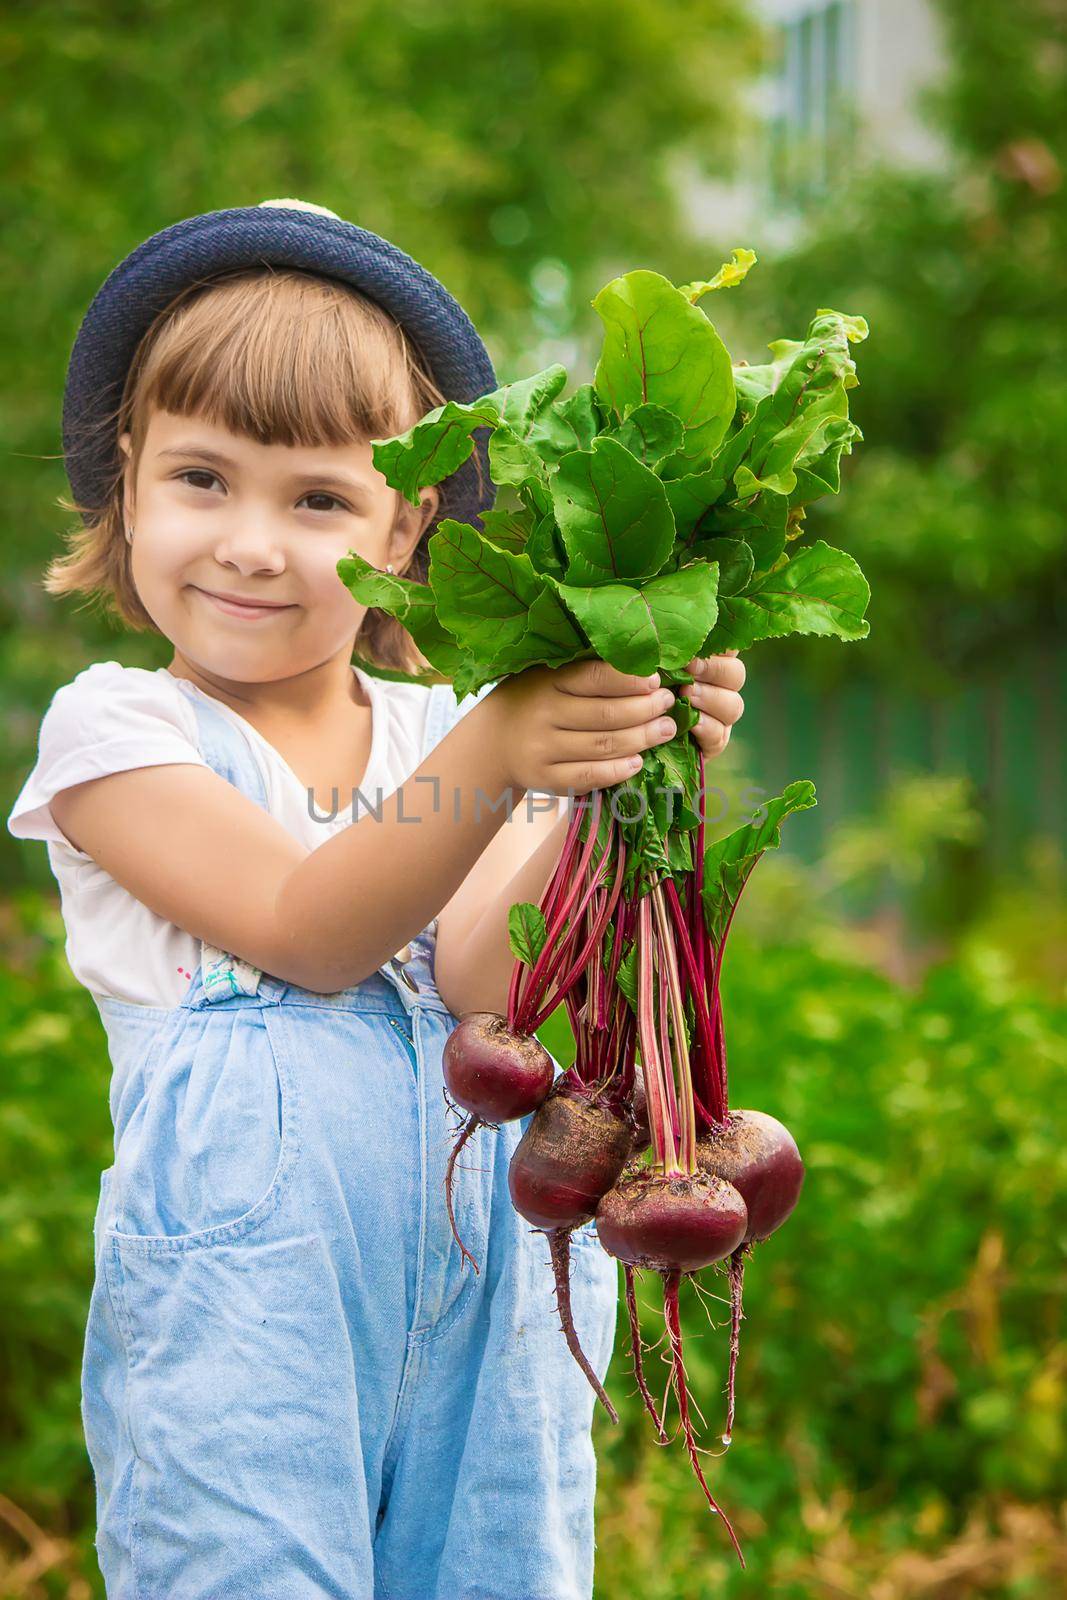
[{"x": 854, "y": 739}]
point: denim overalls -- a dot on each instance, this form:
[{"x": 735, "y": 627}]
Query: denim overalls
[{"x": 290, "y": 1386}]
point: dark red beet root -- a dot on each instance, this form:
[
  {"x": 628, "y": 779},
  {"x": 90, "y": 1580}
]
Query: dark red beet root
[
  {"x": 759, "y": 1156},
  {"x": 570, "y": 1155},
  {"x": 681, "y": 1390},
  {"x": 636, "y": 1349},
  {"x": 494, "y": 1072},
  {"x": 669, "y": 1223},
  {"x": 496, "y": 1075},
  {"x": 559, "y": 1240}
]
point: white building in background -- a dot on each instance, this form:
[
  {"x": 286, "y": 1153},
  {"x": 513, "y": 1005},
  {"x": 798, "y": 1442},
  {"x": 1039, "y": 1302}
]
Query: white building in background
[{"x": 845, "y": 88}]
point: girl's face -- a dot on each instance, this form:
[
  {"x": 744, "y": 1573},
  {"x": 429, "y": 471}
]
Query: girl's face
[{"x": 236, "y": 545}]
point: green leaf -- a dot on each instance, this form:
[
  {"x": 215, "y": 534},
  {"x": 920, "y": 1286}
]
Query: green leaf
[
  {"x": 512, "y": 460},
  {"x": 412, "y": 604},
  {"x": 734, "y": 558},
  {"x": 762, "y": 525},
  {"x": 818, "y": 469},
  {"x": 613, "y": 515},
  {"x": 373, "y": 587},
  {"x": 659, "y": 625},
  {"x": 433, "y": 448},
  {"x": 374, "y": 670},
  {"x": 799, "y": 398},
  {"x": 729, "y": 861},
  {"x": 441, "y": 441},
  {"x": 660, "y": 348},
  {"x": 650, "y": 433},
  {"x": 521, "y": 404},
  {"x": 690, "y": 497},
  {"x": 526, "y": 932},
  {"x": 820, "y": 590},
  {"x": 508, "y": 530},
  {"x": 731, "y": 273},
  {"x": 483, "y": 594},
  {"x": 566, "y": 425},
  {"x": 551, "y": 634}
]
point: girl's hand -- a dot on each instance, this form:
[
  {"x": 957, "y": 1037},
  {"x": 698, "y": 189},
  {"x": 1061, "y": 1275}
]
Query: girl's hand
[
  {"x": 715, "y": 695},
  {"x": 577, "y": 728}
]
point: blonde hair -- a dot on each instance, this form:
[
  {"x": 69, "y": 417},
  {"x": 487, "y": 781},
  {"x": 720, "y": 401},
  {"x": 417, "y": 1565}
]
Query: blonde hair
[{"x": 283, "y": 357}]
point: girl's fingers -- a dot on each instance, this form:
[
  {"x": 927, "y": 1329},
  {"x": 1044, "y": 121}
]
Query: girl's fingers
[
  {"x": 711, "y": 735},
  {"x": 579, "y": 746},
  {"x": 598, "y": 677},
  {"x": 612, "y": 713},
  {"x": 725, "y": 671},
  {"x": 725, "y": 704}
]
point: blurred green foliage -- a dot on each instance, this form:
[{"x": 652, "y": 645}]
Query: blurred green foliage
[{"x": 952, "y": 506}]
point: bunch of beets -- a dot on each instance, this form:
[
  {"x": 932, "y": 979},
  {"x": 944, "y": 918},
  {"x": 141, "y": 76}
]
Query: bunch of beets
[{"x": 649, "y": 517}]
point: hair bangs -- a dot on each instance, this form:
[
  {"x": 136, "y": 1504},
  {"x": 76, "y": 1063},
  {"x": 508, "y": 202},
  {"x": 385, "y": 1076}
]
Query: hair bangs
[{"x": 286, "y": 358}]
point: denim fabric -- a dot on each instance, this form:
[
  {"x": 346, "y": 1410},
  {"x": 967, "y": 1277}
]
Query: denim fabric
[{"x": 290, "y": 1385}]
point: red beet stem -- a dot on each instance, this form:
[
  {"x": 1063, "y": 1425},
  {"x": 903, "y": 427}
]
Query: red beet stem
[
  {"x": 556, "y": 917},
  {"x": 674, "y": 1333},
  {"x": 595, "y": 940},
  {"x": 559, "y": 1242},
  {"x": 520, "y": 973},
  {"x": 635, "y": 1345},
  {"x": 545, "y": 969},
  {"x": 717, "y": 1104},
  {"x": 470, "y": 1125}
]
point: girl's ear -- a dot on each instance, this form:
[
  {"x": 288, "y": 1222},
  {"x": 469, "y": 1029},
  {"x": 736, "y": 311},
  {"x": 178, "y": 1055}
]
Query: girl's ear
[{"x": 127, "y": 481}]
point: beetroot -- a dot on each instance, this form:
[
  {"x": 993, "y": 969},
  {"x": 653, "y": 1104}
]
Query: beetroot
[
  {"x": 496, "y": 1073},
  {"x": 671, "y": 1222},
  {"x": 759, "y": 1156},
  {"x": 570, "y": 1155},
  {"x": 675, "y": 1223},
  {"x": 493, "y": 1071}
]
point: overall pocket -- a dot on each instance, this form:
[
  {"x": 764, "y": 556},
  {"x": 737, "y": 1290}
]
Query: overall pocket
[{"x": 208, "y": 1152}]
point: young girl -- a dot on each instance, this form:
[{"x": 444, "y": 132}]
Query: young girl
[{"x": 290, "y": 1385}]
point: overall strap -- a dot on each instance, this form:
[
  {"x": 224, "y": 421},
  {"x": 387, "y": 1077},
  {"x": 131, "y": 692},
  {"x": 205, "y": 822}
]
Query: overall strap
[
  {"x": 227, "y": 751},
  {"x": 444, "y": 711}
]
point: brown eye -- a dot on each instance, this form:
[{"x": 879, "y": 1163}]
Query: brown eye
[
  {"x": 197, "y": 472},
  {"x": 332, "y": 498}
]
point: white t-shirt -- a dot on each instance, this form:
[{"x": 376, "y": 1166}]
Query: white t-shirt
[{"x": 113, "y": 718}]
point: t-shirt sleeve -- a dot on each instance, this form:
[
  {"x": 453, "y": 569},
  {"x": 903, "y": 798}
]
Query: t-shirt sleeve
[{"x": 109, "y": 719}]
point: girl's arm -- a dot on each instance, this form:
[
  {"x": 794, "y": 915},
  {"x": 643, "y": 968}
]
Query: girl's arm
[
  {"x": 203, "y": 856},
  {"x": 200, "y": 854}
]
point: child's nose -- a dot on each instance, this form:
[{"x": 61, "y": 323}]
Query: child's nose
[{"x": 251, "y": 548}]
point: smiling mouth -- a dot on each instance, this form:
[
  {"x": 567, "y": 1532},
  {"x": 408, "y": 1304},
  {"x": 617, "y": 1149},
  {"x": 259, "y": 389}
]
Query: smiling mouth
[{"x": 238, "y": 605}]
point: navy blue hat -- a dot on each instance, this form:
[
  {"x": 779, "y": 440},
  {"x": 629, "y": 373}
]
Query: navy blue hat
[{"x": 284, "y": 233}]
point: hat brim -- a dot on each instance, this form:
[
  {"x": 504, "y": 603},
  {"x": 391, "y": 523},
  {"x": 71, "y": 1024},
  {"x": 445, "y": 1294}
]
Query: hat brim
[{"x": 201, "y": 247}]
